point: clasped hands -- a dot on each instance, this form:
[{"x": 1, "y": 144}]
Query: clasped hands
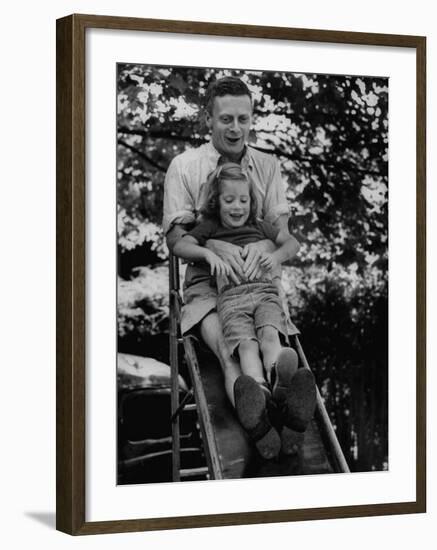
[{"x": 238, "y": 263}]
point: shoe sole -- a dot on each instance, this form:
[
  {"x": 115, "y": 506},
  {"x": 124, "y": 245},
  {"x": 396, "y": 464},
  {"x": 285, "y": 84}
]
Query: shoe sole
[
  {"x": 291, "y": 441},
  {"x": 285, "y": 369},
  {"x": 250, "y": 406},
  {"x": 300, "y": 403}
]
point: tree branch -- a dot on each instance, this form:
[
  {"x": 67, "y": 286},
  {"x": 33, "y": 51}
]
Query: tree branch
[
  {"x": 346, "y": 166},
  {"x": 142, "y": 155},
  {"x": 162, "y": 134}
]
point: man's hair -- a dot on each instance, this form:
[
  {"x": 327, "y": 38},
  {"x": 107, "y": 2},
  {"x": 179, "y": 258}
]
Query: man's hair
[
  {"x": 229, "y": 171},
  {"x": 228, "y": 85}
]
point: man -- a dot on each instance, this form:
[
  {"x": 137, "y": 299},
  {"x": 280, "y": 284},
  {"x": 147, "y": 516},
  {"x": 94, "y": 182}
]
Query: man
[{"x": 229, "y": 117}]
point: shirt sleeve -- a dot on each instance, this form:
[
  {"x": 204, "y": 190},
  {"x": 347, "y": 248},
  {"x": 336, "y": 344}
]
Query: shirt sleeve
[
  {"x": 275, "y": 202},
  {"x": 178, "y": 202},
  {"x": 269, "y": 230},
  {"x": 203, "y": 231}
]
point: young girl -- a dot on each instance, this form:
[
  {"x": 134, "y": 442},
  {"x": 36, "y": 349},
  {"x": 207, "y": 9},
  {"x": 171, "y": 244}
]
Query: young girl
[{"x": 251, "y": 313}]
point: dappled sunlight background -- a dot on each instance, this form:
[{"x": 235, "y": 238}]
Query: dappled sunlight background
[{"x": 329, "y": 133}]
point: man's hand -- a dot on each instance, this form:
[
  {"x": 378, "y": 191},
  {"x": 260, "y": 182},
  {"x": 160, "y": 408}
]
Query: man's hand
[
  {"x": 252, "y": 254},
  {"x": 231, "y": 256},
  {"x": 269, "y": 262},
  {"x": 218, "y": 268}
]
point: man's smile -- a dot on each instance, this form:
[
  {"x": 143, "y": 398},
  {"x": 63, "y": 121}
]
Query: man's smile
[{"x": 233, "y": 140}]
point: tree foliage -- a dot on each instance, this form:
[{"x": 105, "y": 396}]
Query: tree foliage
[{"x": 329, "y": 133}]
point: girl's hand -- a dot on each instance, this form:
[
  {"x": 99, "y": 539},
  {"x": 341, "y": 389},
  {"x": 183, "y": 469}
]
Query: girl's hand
[{"x": 218, "y": 268}]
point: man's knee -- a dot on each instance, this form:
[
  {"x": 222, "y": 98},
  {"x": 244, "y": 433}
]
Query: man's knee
[
  {"x": 212, "y": 335},
  {"x": 211, "y": 331}
]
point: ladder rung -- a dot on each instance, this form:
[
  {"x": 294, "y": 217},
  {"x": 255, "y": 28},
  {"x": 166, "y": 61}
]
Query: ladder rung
[
  {"x": 193, "y": 472},
  {"x": 190, "y": 407},
  {"x": 182, "y": 405}
]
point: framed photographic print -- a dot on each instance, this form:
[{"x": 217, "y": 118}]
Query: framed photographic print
[{"x": 240, "y": 274}]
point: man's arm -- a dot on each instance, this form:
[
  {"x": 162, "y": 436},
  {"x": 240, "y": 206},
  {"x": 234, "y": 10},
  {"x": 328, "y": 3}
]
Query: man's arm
[
  {"x": 281, "y": 223},
  {"x": 173, "y": 236},
  {"x": 178, "y": 206},
  {"x": 176, "y": 236},
  {"x": 189, "y": 249},
  {"x": 282, "y": 226},
  {"x": 253, "y": 252},
  {"x": 288, "y": 247},
  {"x": 274, "y": 209}
]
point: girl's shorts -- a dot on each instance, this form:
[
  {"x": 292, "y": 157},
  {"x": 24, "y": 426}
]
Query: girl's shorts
[{"x": 246, "y": 308}]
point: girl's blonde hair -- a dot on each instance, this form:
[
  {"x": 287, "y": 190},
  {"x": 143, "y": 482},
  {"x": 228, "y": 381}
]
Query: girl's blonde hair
[{"x": 229, "y": 171}]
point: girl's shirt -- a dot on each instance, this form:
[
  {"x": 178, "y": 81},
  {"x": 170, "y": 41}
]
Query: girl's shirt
[
  {"x": 185, "y": 187},
  {"x": 240, "y": 236}
]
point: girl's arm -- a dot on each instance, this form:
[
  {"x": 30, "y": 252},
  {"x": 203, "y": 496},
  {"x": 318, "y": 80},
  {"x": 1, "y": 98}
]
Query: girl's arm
[{"x": 188, "y": 248}]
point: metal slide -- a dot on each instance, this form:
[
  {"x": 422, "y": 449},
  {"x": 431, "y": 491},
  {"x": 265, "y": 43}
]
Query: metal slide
[{"x": 227, "y": 449}]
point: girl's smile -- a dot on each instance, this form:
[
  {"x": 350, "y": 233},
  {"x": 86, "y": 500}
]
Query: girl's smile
[{"x": 234, "y": 203}]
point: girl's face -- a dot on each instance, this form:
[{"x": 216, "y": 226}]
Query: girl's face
[{"x": 234, "y": 203}]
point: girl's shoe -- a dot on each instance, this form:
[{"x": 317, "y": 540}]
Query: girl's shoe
[
  {"x": 284, "y": 369},
  {"x": 251, "y": 409},
  {"x": 291, "y": 441},
  {"x": 294, "y": 391}
]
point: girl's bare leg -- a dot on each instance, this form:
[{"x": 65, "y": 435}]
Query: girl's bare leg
[
  {"x": 250, "y": 360},
  {"x": 270, "y": 345}
]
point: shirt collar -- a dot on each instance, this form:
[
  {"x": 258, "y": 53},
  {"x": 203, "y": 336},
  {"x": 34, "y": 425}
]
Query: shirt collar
[{"x": 214, "y": 156}]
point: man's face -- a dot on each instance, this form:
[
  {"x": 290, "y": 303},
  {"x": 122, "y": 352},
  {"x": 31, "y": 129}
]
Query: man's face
[{"x": 230, "y": 124}]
